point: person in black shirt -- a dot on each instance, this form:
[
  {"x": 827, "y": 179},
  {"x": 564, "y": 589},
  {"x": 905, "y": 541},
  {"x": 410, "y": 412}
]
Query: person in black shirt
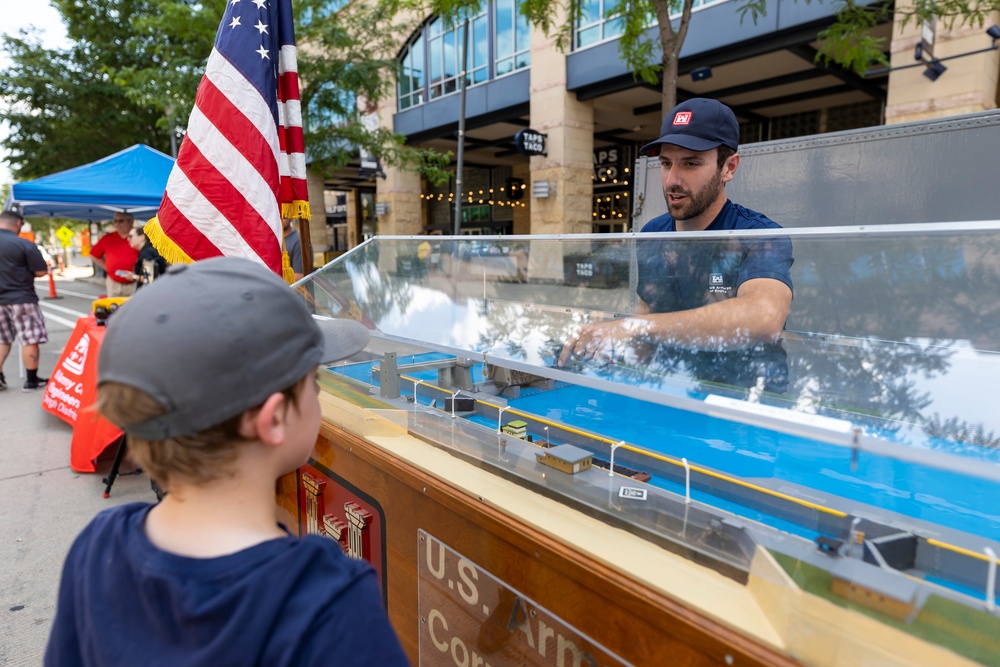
[
  {"x": 20, "y": 315},
  {"x": 150, "y": 264}
]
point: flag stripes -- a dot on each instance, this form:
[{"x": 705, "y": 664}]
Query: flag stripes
[{"x": 241, "y": 166}]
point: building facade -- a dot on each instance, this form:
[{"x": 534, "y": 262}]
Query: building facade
[{"x": 594, "y": 113}]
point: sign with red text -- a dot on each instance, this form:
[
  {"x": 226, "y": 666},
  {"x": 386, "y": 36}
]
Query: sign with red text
[
  {"x": 71, "y": 391},
  {"x": 470, "y": 617}
]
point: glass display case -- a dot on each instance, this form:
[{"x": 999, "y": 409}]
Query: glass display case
[{"x": 843, "y": 471}]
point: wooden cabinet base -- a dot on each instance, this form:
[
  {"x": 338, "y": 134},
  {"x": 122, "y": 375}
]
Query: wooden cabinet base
[{"x": 478, "y": 570}]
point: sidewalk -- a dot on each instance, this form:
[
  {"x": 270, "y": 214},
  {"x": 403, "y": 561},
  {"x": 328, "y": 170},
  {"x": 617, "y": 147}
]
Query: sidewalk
[{"x": 45, "y": 504}]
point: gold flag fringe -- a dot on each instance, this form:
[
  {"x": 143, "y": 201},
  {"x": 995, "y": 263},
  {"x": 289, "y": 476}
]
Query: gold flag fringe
[
  {"x": 164, "y": 244},
  {"x": 297, "y": 210},
  {"x": 174, "y": 255},
  {"x": 287, "y": 272}
]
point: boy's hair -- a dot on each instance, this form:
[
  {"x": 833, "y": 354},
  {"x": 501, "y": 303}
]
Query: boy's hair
[
  {"x": 209, "y": 341},
  {"x": 198, "y": 458}
]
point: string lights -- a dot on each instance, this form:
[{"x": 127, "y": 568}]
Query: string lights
[
  {"x": 500, "y": 197},
  {"x": 489, "y": 196},
  {"x": 613, "y": 180},
  {"x": 608, "y": 206}
]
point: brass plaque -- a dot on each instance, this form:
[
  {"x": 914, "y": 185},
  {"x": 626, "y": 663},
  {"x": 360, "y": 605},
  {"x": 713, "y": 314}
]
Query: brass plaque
[{"x": 469, "y": 618}]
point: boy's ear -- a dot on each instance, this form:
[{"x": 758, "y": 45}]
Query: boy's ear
[{"x": 268, "y": 423}]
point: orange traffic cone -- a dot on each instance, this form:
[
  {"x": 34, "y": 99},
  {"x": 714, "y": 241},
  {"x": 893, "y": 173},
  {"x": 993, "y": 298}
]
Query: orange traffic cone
[{"x": 52, "y": 287}]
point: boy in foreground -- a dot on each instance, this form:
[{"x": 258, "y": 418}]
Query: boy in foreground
[{"x": 211, "y": 371}]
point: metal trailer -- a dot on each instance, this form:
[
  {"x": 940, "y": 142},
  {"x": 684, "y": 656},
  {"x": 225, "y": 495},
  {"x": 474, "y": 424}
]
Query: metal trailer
[{"x": 941, "y": 170}]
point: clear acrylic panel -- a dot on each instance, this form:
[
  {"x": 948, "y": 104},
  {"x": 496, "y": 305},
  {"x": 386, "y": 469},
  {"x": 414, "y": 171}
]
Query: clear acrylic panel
[{"x": 859, "y": 447}]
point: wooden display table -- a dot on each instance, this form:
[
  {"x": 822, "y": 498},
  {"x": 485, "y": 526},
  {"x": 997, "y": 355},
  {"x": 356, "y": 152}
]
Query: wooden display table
[{"x": 478, "y": 570}]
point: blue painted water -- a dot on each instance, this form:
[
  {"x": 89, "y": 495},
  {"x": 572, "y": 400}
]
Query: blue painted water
[{"x": 950, "y": 499}]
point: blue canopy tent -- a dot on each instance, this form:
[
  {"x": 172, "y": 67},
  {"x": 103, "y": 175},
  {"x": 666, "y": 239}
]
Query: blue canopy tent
[{"x": 131, "y": 180}]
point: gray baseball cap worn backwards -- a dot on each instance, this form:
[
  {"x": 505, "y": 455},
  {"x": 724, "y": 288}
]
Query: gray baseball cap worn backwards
[
  {"x": 699, "y": 124},
  {"x": 212, "y": 339}
]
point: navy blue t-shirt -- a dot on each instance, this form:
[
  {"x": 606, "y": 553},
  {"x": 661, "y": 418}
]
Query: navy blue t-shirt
[
  {"x": 287, "y": 601},
  {"x": 19, "y": 260},
  {"x": 694, "y": 272}
]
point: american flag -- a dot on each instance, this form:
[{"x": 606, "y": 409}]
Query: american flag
[{"x": 241, "y": 167}]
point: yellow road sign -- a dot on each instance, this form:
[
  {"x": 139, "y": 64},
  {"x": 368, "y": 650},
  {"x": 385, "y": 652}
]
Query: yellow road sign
[{"x": 64, "y": 234}]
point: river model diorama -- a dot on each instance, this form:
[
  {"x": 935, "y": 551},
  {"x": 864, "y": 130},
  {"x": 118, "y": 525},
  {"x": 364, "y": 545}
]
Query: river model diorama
[{"x": 846, "y": 474}]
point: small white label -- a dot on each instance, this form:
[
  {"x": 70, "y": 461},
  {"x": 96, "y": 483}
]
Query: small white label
[{"x": 632, "y": 492}]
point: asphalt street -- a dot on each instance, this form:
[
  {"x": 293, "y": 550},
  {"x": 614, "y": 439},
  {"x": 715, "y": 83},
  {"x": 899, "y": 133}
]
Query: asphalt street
[{"x": 45, "y": 503}]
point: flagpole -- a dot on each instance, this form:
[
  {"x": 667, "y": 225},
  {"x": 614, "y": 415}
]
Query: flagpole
[{"x": 305, "y": 238}]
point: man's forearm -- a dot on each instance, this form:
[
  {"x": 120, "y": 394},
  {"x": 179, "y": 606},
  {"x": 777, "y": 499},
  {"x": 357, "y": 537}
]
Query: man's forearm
[
  {"x": 756, "y": 315},
  {"x": 734, "y": 323}
]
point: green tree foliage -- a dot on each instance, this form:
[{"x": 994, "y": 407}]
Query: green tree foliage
[
  {"x": 347, "y": 64},
  {"x": 66, "y": 107},
  {"x": 133, "y": 70},
  {"x": 176, "y": 38}
]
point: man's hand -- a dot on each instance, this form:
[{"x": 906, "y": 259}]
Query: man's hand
[{"x": 605, "y": 341}]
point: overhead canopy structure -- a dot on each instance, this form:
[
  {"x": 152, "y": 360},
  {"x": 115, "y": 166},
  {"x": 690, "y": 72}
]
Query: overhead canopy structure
[{"x": 130, "y": 180}]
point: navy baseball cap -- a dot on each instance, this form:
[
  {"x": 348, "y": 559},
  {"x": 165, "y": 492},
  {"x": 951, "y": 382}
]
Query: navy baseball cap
[
  {"x": 213, "y": 339},
  {"x": 698, "y": 124}
]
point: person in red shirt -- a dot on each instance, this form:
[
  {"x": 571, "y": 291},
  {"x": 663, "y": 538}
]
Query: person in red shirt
[{"x": 114, "y": 253}]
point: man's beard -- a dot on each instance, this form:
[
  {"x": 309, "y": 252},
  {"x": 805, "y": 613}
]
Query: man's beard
[{"x": 695, "y": 203}]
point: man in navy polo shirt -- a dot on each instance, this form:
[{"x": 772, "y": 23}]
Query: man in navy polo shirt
[{"x": 718, "y": 305}]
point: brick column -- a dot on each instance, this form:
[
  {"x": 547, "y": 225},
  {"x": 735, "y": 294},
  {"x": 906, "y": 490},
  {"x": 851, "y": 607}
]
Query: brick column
[
  {"x": 399, "y": 191},
  {"x": 569, "y": 165},
  {"x": 317, "y": 210},
  {"x": 353, "y": 224}
]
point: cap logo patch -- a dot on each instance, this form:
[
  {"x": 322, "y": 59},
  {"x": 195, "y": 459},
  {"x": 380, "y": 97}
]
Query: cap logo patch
[{"x": 682, "y": 118}]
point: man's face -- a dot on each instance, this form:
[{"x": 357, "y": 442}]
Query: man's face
[
  {"x": 135, "y": 239},
  {"x": 692, "y": 180},
  {"x": 123, "y": 224}
]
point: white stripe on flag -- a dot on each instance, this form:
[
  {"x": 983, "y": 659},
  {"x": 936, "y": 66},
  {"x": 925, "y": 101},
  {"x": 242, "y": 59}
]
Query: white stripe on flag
[
  {"x": 293, "y": 113},
  {"x": 297, "y": 165},
  {"x": 230, "y": 162},
  {"x": 210, "y": 222},
  {"x": 287, "y": 61},
  {"x": 242, "y": 95}
]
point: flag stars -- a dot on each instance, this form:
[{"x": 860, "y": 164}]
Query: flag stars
[
  {"x": 233, "y": 2},
  {"x": 236, "y": 20},
  {"x": 263, "y": 53},
  {"x": 261, "y": 27},
  {"x": 260, "y": 3}
]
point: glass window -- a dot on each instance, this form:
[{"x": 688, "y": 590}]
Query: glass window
[
  {"x": 410, "y": 89},
  {"x": 504, "y": 28},
  {"x": 479, "y": 50},
  {"x": 595, "y": 24},
  {"x": 513, "y": 38},
  {"x": 523, "y": 41},
  {"x": 431, "y": 65}
]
